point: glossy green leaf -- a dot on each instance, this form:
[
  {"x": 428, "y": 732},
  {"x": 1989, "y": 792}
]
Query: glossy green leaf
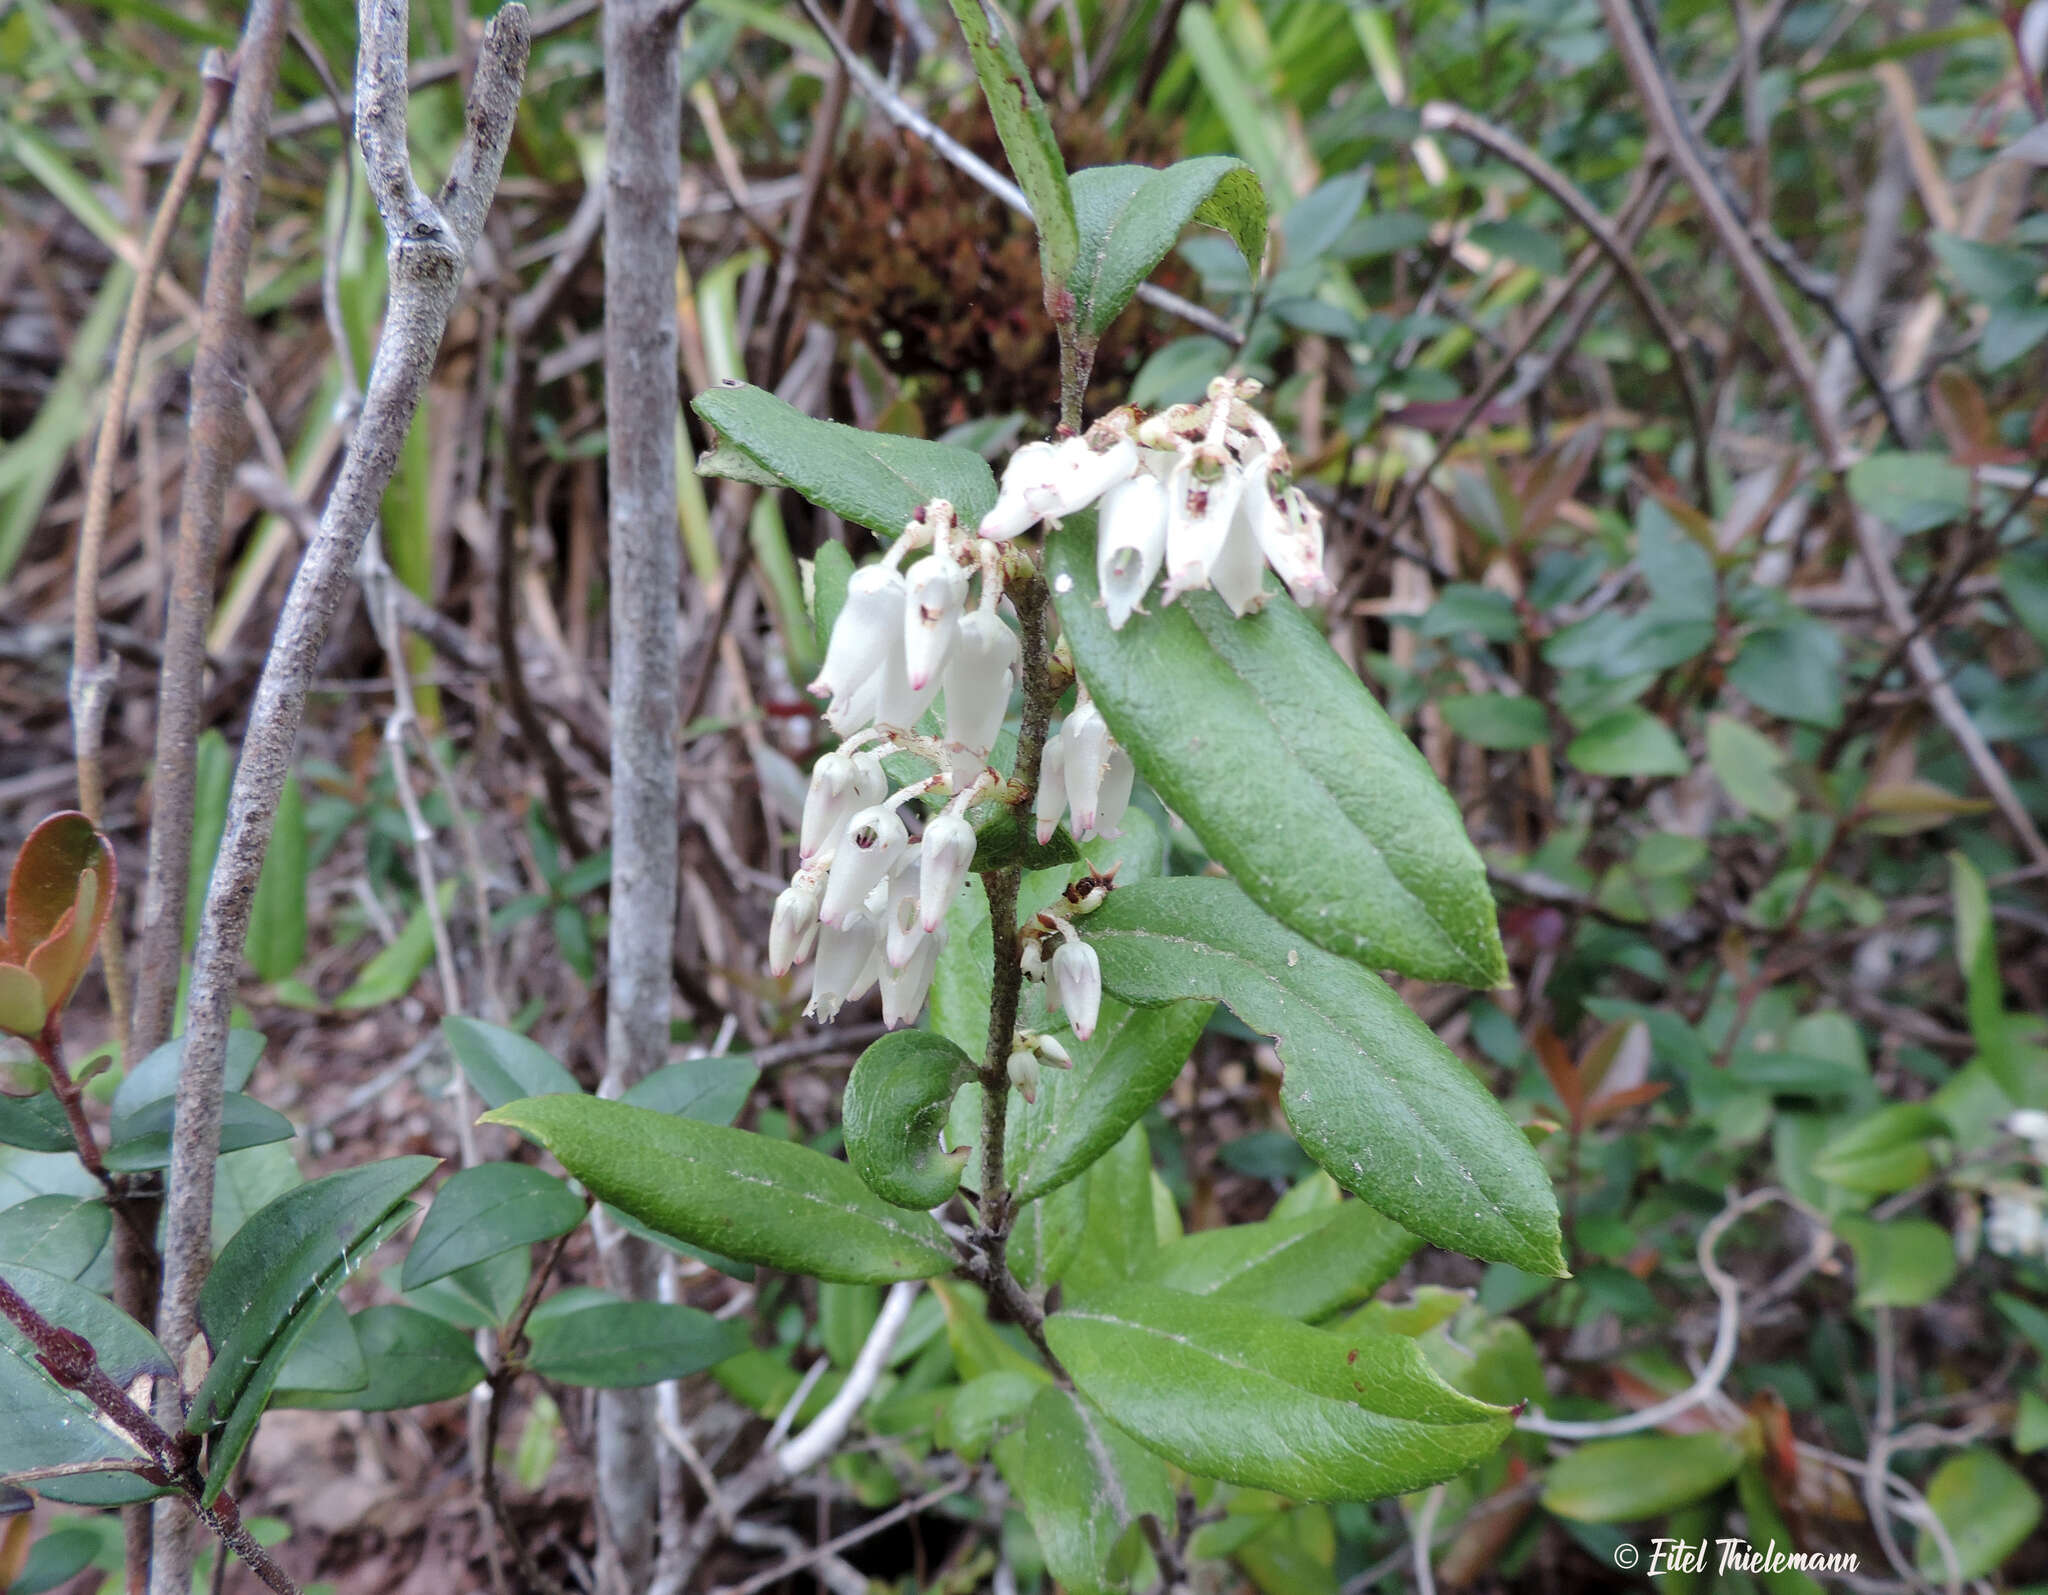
[
  {"x": 274, "y": 1275},
  {"x": 1130, "y": 217},
  {"x": 486, "y": 1210},
  {"x": 59, "y": 1555},
  {"x": 1904, "y": 1263},
  {"x": 620, "y": 1345},
  {"x": 1085, "y": 1486},
  {"x": 47, "y": 1426},
  {"x": 35, "y": 1124},
  {"x": 1119, "y": 1072},
  {"x": 1999, "y": 1044},
  {"x": 481, "y": 1296},
  {"x": 1026, "y": 132},
  {"x": 1233, "y": 1393},
  {"x": 1987, "y": 1507},
  {"x": 1371, "y": 1093},
  {"x": 392, "y": 970},
  {"x": 1302, "y": 1267},
  {"x": 982, "y": 1408},
  {"x": 1630, "y": 741},
  {"x": 709, "y": 1090},
  {"x": 1118, "y": 1235},
  {"x": 503, "y": 1066},
  {"x": 897, "y": 1101},
  {"x": 876, "y": 479},
  {"x": 155, "y": 1078},
  {"x": 1884, "y": 1152},
  {"x": 277, "y": 916},
  {"x": 1746, "y": 763},
  {"x": 145, "y": 1137},
  {"x": 1641, "y": 1475},
  {"x": 60, "y": 1235},
  {"x": 1792, "y": 670},
  {"x": 413, "y": 1357},
  {"x": 1258, "y": 735},
  {"x": 1497, "y": 720},
  {"x": 1047, "y": 1235},
  {"x": 741, "y": 1195},
  {"x": 326, "y": 1358}
]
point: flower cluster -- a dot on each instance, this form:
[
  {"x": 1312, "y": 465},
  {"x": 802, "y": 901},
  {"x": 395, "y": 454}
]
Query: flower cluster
[
  {"x": 1199, "y": 491},
  {"x": 2013, "y": 1222}
]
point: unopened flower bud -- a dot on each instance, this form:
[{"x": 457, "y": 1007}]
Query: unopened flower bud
[
  {"x": 869, "y": 629},
  {"x": 936, "y": 588},
  {"x": 1052, "y": 1052},
  {"x": 1084, "y": 759},
  {"x": 1077, "y": 985},
  {"x": 1052, "y": 789},
  {"x": 948, "y": 855},
  {"x": 1201, "y": 501},
  {"x": 980, "y": 671},
  {"x": 1024, "y": 1075},
  {"x": 1031, "y": 959},
  {"x": 793, "y": 928},
  {"x": 873, "y": 839},
  {"x": 1130, "y": 544},
  {"x": 1117, "y": 781}
]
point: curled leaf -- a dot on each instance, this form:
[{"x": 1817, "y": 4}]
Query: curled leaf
[
  {"x": 897, "y": 1099},
  {"x": 58, "y": 897}
]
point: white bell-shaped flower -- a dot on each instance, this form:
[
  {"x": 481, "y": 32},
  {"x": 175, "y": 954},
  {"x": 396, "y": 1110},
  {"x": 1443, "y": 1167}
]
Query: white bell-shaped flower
[
  {"x": 1023, "y": 1071},
  {"x": 1130, "y": 544},
  {"x": 1115, "y": 797},
  {"x": 793, "y": 928},
  {"x": 1084, "y": 760},
  {"x": 868, "y": 631},
  {"x": 948, "y": 856},
  {"x": 1051, "y": 802},
  {"x": 1028, "y": 476},
  {"x": 1201, "y": 502},
  {"x": 2014, "y": 1226},
  {"x": 898, "y": 914},
  {"x": 1076, "y": 985},
  {"x": 1290, "y": 533},
  {"x": 900, "y": 705},
  {"x": 904, "y": 990},
  {"x": 1239, "y": 574},
  {"x": 980, "y": 673},
  {"x": 1078, "y": 475},
  {"x": 849, "y": 956},
  {"x": 873, "y": 840},
  {"x": 936, "y": 589},
  {"x": 842, "y": 784}
]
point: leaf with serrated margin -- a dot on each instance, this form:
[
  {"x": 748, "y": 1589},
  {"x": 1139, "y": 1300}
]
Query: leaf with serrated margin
[{"x": 1372, "y": 1095}]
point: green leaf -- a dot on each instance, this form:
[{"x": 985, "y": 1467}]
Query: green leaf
[
  {"x": 414, "y": 1359},
  {"x": 1746, "y": 763},
  {"x": 47, "y": 1426},
  {"x": 1118, "y": 1235},
  {"x": 1793, "y": 671},
  {"x": 145, "y": 1137},
  {"x": 1498, "y": 720},
  {"x": 1905, "y": 1263},
  {"x": 1129, "y": 217},
  {"x": 1306, "y": 1266},
  {"x": 1371, "y": 1093},
  {"x": 482, "y": 1296},
  {"x": 1119, "y": 1072},
  {"x": 1026, "y": 132},
  {"x": 1911, "y": 492},
  {"x": 1467, "y": 606},
  {"x": 1233, "y": 1393},
  {"x": 503, "y": 1067},
  {"x": 1641, "y": 1475},
  {"x": 326, "y": 1358},
  {"x": 625, "y": 1344},
  {"x": 1989, "y": 272},
  {"x": 897, "y": 1100},
  {"x": 1257, "y": 734},
  {"x": 277, "y": 917},
  {"x": 35, "y": 1124},
  {"x": 61, "y": 1235},
  {"x": 1884, "y": 1152},
  {"x": 58, "y": 1556},
  {"x": 272, "y": 1277},
  {"x": 1767, "y": 1524},
  {"x": 1987, "y": 1508},
  {"x": 709, "y": 1090},
  {"x": 876, "y": 479},
  {"x": 390, "y": 974},
  {"x": 982, "y": 1408},
  {"x": 1630, "y": 741},
  {"x": 741, "y": 1195},
  {"x": 1085, "y": 1486},
  {"x": 486, "y": 1210},
  {"x": 1977, "y": 957},
  {"x": 155, "y": 1078}
]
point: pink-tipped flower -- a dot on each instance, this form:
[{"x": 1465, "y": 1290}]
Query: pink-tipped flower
[
  {"x": 980, "y": 671},
  {"x": 827, "y": 802},
  {"x": 1052, "y": 789},
  {"x": 936, "y": 588},
  {"x": 874, "y": 837},
  {"x": 1201, "y": 501},
  {"x": 868, "y": 631},
  {"x": 900, "y": 705},
  {"x": 1130, "y": 544},
  {"x": 1076, "y": 986},
  {"x": 793, "y": 928},
  {"x": 904, "y": 990},
  {"x": 849, "y": 961},
  {"x": 948, "y": 856},
  {"x": 1023, "y": 1070},
  {"x": 1084, "y": 759},
  {"x": 1117, "y": 781},
  {"x": 1289, "y": 529}
]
